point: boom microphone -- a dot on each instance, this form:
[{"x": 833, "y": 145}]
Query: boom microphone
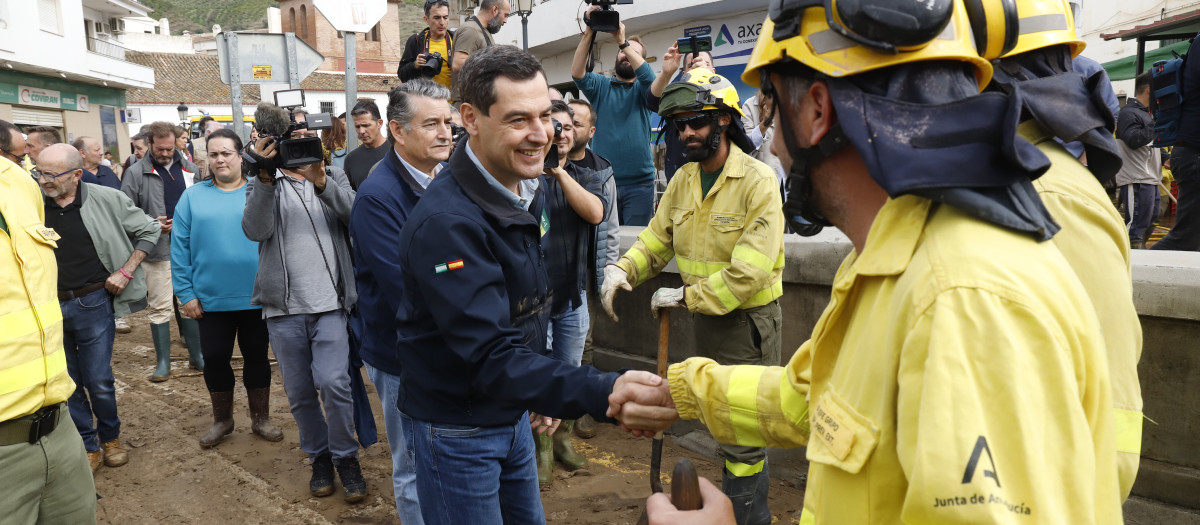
[{"x": 272, "y": 120}]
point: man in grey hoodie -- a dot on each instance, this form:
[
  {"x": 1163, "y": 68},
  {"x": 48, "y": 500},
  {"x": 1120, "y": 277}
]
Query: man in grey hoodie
[{"x": 1137, "y": 182}]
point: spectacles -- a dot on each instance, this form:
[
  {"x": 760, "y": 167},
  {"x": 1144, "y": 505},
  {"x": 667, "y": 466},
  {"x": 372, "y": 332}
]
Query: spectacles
[
  {"x": 39, "y": 174},
  {"x": 697, "y": 122},
  {"x": 11, "y": 156}
]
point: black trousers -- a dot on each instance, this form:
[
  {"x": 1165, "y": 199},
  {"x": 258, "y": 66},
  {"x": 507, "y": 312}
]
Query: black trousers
[{"x": 217, "y": 333}]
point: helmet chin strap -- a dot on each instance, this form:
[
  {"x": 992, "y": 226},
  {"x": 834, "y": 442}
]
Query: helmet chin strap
[{"x": 800, "y": 200}]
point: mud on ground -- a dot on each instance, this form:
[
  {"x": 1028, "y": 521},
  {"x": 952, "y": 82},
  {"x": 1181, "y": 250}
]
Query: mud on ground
[{"x": 170, "y": 479}]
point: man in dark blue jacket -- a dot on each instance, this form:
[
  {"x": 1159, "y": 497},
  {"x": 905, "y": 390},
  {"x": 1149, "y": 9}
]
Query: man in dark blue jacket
[
  {"x": 1185, "y": 165},
  {"x": 473, "y": 316},
  {"x": 418, "y": 115}
]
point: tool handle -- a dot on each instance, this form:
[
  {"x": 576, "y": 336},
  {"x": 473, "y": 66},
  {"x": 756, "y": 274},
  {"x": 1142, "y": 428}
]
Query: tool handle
[
  {"x": 656, "y": 465},
  {"x": 664, "y": 330},
  {"x": 685, "y": 486}
]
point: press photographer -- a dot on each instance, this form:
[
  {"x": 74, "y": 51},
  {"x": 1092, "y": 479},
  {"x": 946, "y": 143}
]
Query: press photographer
[
  {"x": 427, "y": 52},
  {"x": 298, "y": 211}
]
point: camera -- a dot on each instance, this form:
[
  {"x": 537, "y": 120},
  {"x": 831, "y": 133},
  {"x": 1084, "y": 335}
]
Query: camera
[
  {"x": 279, "y": 122},
  {"x": 457, "y": 133},
  {"x": 606, "y": 19},
  {"x": 552, "y": 156},
  {"x": 433, "y": 64}
]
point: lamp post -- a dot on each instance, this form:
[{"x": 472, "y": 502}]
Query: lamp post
[
  {"x": 524, "y": 8},
  {"x": 182, "y": 109}
]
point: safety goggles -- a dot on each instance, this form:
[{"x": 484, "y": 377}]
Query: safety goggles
[
  {"x": 697, "y": 122},
  {"x": 39, "y": 175},
  {"x": 885, "y": 25}
]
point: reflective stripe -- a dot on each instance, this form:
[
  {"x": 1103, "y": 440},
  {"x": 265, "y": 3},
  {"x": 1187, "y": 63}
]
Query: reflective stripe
[
  {"x": 1129, "y": 431},
  {"x": 721, "y": 290},
  {"x": 698, "y": 268},
  {"x": 32, "y": 373},
  {"x": 765, "y": 296},
  {"x": 654, "y": 245},
  {"x": 1040, "y": 23},
  {"x": 742, "y": 470},
  {"x": 742, "y": 397},
  {"x": 640, "y": 264},
  {"x": 25, "y": 322},
  {"x": 807, "y": 518},
  {"x": 780, "y": 261},
  {"x": 793, "y": 404},
  {"x": 754, "y": 258}
]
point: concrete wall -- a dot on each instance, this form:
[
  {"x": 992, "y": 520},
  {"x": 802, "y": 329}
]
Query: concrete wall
[{"x": 1166, "y": 293}]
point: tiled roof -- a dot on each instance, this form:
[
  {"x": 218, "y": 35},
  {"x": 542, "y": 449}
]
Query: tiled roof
[
  {"x": 196, "y": 79},
  {"x": 193, "y": 79},
  {"x": 1181, "y": 23}
]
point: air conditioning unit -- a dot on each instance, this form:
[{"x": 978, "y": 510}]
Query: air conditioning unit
[{"x": 116, "y": 25}]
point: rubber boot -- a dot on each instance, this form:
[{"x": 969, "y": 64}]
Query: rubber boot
[
  {"x": 222, "y": 405},
  {"x": 545, "y": 458},
  {"x": 563, "y": 451},
  {"x": 749, "y": 496},
  {"x": 585, "y": 427},
  {"x": 260, "y": 414},
  {"x": 190, "y": 330},
  {"x": 161, "y": 335}
]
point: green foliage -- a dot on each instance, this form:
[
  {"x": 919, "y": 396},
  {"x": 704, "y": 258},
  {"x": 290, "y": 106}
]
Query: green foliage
[{"x": 198, "y": 16}]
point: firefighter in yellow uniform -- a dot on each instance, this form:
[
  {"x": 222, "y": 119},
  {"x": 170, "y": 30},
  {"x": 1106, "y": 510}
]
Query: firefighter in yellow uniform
[
  {"x": 1093, "y": 239},
  {"x": 721, "y": 220},
  {"x": 959, "y": 373},
  {"x": 47, "y": 476}
]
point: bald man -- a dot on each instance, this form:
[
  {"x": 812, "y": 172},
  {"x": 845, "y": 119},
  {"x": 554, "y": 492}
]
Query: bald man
[{"x": 99, "y": 274}]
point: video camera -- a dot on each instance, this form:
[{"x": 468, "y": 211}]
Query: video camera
[
  {"x": 433, "y": 64},
  {"x": 457, "y": 133},
  {"x": 278, "y": 121},
  {"x": 606, "y": 19},
  {"x": 552, "y": 156}
]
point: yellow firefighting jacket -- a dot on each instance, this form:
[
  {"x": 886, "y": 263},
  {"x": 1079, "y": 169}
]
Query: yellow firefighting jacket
[
  {"x": 33, "y": 367},
  {"x": 957, "y": 376},
  {"x": 728, "y": 245},
  {"x": 1096, "y": 245}
]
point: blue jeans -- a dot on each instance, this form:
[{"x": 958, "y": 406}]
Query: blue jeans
[
  {"x": 567, "y": 333},
  {"x": 313, "y": 351},
  {"x": 475, "y": 475},
  {"x": 635, "y": 204},
  {"x": 404, "y": 474},
  {"x": 1185, "y": 236},
  {"x": 88, "y": 333}
]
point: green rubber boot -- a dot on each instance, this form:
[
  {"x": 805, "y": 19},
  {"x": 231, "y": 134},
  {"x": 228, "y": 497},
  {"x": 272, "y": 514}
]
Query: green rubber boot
[
  {"x": 564, "y": 452},
  {"x": 545, "y": 459},
  {"x": 190, "y": 330},
  {"x": 161, "y": 335}
]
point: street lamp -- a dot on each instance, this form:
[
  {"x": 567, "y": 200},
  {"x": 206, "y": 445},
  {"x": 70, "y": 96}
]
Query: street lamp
[
  {"x": 524, "y": 8},
  {"x": 182, "y": 109}
]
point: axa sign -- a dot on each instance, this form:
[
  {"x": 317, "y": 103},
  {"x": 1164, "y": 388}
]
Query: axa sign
[{"x": 31, "y": 96}]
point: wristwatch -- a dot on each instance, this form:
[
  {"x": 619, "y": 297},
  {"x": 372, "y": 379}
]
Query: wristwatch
[{"x": 623, "y": 45}]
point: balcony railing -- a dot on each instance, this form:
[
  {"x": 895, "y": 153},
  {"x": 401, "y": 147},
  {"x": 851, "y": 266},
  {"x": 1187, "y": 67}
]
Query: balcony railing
[{"x": 106, "y": 46}]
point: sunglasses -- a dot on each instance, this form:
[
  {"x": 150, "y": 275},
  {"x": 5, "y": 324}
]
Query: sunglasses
[
  {"x": 697, "y": 122},
  {"x": 38, "y": 175}
]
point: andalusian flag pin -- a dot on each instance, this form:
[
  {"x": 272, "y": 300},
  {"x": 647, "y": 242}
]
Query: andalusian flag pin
[{"x": 445, "y": 267}]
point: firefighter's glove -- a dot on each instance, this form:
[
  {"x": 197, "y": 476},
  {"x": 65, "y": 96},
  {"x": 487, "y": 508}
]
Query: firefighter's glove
[
  {"x": 667, "y": 298},
  {"x": 614, "y": 278}
]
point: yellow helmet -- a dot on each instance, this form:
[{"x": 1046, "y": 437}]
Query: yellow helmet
[
  {"x": 842, "y": 38},
  {"x": 1045, "y": 23},
  {"x": 700, "y": 90}
]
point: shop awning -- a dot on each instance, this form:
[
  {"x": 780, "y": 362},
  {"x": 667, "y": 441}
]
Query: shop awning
[{"x": 1124, "y": 68}]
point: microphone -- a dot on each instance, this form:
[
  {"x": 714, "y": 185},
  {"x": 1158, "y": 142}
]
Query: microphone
[{"x": 272, "y": 120}]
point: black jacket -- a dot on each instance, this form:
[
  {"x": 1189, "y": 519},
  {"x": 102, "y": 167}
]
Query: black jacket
[
  {"x": 418, "y": 44},
  {"x": 1135, "y": 126},
  {"x": 471, "y": 327}
]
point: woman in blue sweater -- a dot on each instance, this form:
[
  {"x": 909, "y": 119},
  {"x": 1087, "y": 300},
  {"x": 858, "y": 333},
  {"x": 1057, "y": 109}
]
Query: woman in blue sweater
[{"x": 212, "y": 267}]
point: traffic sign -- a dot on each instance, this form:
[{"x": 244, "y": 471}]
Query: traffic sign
[
  {"x": 354, "y": 16},
  {"x": 262, "y": 58}
]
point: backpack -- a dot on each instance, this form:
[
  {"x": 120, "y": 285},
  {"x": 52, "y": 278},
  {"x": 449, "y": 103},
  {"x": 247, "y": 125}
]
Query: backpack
[{"x": 1166, "y": 98}]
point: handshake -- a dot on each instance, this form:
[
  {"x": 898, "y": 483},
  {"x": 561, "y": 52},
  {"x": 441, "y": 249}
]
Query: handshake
[{"x": 641, "y": 402}]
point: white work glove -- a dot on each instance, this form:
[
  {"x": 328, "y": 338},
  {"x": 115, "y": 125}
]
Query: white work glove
[
  {"x": 666, "y": 298},
  {"x": 614, "y": 278}
]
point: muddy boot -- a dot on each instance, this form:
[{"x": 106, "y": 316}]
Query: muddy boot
[
  {"x": 585, "y": 427},
  {"x": 161, "y": 335},
  {"x": 749, "y": 496},
  {"x": 222, "y": 405},
  {"x": 544, "y": 446},
  {"x": 349, "y": 471},
  {"x": 260, "y": 414},
  {"x": 321, "y": 484},
  {"x": 563, "y": 451},
  {"x": 190, "y": 330}
]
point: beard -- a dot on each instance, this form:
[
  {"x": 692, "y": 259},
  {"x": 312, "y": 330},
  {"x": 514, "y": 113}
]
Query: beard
[
  {"x": 696, "y": 150},
  {"x": 494, "y": 25},
  {"x": 624, "y": 70},
  {"x": 577, "y": 148}
]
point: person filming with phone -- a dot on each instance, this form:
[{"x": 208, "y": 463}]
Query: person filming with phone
[{"x": 686, "y": 54}]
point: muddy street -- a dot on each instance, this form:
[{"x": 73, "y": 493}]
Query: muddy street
[{"x": 170, "y": 479}]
